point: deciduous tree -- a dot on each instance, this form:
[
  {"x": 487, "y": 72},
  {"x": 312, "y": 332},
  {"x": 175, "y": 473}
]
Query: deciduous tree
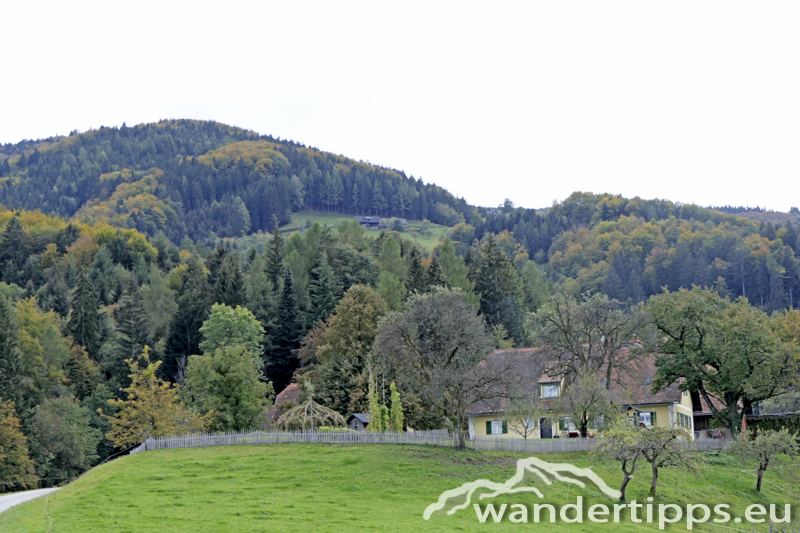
[
  {"x": 152, "y": 407},
  {"x": 227, "y": 384}
]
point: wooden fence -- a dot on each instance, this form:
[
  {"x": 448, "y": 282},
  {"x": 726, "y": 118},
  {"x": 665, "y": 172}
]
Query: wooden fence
[
  {"x": 437, "y": 437},
  {"x": 532, "y": 445},
  {"x": 567, "y": 445}
]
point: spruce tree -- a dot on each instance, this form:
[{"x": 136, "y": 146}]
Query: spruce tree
[
  {"x": 496, "y": 280},
  {"x": 322, "y": 290},
  {"x": 274, "y": 266},
  {"x": 415, "y": 281},
  {"x": 184, "y": 333},
  {"x": 229, "y": 288},
  {"x": 14, "y": 251},
  {"x": 286, "y": 339},
  {"x": 10, "y": 357},
  {"x": 103, "y": 277},
  {"x": 472, "y": 263},
  {"x": 131, "y": 328},
  {"x": 436, "y": 277},
  {"x": 84, "y": 321}
]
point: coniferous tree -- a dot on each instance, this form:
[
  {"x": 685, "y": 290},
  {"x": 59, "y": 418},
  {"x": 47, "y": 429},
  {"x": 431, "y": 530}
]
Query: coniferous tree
[
  {"x": 323, "y": 290},
  {"x": 14, "y": 250},
  {"x": 229, "y": 288},
  {"x": 496, "y": 281},
  {"x": 288, "y": 333},
  {"x": 10, "y": 357},
  {"x": 131, "y": 329},
  {"x": 275, "y": 257},
  {"x": 103, "y": 277},
  {"x": 472, "y": 263},
  {"x": 416, "y": 278},
  {"x": 84, "y": 322},
  {"x": 54, "y": 295},
  {"x": 184, "y": 334},
  {"x": 435, "y": 275}
]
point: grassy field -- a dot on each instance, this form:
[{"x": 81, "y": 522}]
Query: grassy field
[
  {"x": 300, "y": 218},
  {"x": 333, "y": 488}
]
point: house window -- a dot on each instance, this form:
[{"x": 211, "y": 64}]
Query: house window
[
  {"x": 648, "y": 418},
  {"x": 550, "y": 391},
  {"x": 684, "y": 421},
  {"x": 530, "y": 423},
  {"x": 565, "y": 424},
  {"x": 496, "y": 427}
]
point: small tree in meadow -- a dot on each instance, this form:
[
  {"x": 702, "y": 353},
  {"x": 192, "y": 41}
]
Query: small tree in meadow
[
  {"x": 667, "y": 447},
  {"x": 764, "y": 447},
  {"x": 622, "y": 443}
]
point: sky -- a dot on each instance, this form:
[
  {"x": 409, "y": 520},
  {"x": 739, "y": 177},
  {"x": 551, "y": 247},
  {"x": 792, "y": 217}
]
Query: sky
[{"x": 696, "y": 102}]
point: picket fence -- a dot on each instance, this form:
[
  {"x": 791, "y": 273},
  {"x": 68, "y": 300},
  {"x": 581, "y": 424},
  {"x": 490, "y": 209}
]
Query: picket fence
[
  {"x": 566, "y": 445},
  {"x": 531, "y": 445},
  {"x": 437, "y": 437}
]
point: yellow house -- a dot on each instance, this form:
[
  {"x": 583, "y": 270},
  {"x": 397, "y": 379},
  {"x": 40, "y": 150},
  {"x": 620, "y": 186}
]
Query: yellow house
[{"x": 632, "y": 390}]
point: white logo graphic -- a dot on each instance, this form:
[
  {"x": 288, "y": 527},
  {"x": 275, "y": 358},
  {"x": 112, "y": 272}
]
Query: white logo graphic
[{"x": 534, "y": 465}]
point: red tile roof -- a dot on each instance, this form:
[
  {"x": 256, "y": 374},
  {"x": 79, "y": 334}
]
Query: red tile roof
[{"x": 629, "y": 388}]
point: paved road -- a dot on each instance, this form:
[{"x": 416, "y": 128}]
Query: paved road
[{"x": 8, "y": 501}]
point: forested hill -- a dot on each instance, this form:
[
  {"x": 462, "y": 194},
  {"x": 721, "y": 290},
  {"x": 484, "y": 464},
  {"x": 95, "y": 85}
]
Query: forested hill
[{"x": 205, "y": 180}]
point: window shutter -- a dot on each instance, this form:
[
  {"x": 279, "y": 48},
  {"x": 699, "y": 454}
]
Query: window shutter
[
  {"x": 561, "y": 424},
  {"x": 488, "y": 427},
  {"x": 652, "y": 418},
  {"x": 505, "y": 427}
]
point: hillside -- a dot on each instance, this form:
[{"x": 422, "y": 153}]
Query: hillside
[
  {"x": 208, "y": 181},
  {"x": 342, "y": 488},
  {"x": 205, "y": 180}
]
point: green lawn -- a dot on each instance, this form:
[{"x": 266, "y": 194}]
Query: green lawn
[{"x": 337, "y": 488}]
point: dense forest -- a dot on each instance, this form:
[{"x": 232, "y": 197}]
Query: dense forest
[
  {"x": 117, "y": 239},
  {"x": 205, "y": 180}
]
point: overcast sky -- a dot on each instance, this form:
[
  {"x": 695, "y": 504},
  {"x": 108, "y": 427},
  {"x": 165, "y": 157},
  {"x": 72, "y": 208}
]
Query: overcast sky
[{"x": 686, "y": 100}]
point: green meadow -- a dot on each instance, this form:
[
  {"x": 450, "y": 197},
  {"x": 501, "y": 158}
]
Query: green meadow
[
  {"x": 300, "y": 218},
  {"x": 339, "y": 488}
]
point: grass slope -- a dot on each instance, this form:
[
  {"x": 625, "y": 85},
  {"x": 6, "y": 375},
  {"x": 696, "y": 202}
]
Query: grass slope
[
  {"x": 317, "y": 487},
  {"x": 332, "y": 220}
]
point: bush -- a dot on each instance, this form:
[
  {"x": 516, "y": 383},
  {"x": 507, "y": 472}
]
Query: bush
[{"x": 330, "y": 429}]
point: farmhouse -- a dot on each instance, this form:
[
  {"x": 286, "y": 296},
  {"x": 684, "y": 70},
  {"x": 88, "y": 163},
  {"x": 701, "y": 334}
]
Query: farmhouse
[
  {"x": 371, "y": 222},
  {"x": 632, "y": 391}
]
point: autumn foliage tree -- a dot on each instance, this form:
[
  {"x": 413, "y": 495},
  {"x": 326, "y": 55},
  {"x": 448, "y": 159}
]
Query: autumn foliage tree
[
  {"x": 152, "y": 407},
  {"x": 16, "y": 468}
]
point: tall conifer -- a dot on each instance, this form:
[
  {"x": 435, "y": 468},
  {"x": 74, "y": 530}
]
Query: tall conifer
[
  {"x": 283, "y": 360},
  {"x": 84, "y": 322},
  {"x": 10, "y": 358},
  {"x": 323, "y": 290},
  {"x": 275, "y": 257}
]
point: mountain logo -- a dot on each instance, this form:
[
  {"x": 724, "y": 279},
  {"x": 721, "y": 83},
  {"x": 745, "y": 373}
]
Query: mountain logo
[{"x": 531, "y": 468}]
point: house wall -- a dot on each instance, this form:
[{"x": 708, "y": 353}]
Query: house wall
[
  {"x": 479, "y": 424},
  {"x": 666, "y": 416}
]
